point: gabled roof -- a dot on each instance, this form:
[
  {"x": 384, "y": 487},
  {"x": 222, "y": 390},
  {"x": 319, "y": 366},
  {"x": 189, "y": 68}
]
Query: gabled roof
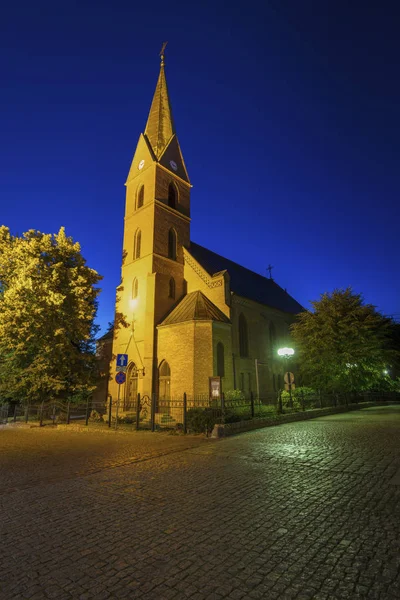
[
  {"x": 195, "y": 307},
  {"x": 244, "y": 282}
]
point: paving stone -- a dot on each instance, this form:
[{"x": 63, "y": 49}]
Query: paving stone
[{"x": 302, "y": 511}]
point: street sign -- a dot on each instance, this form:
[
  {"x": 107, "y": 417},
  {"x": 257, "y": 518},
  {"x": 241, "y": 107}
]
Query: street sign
[
  {"x": 286, "y": 378},
  {"x": 120, "y": 378},
  {"x": 292, "y": 387},
  {"x": 123, "y": 369},
  {"x": 122, "y": 360}
]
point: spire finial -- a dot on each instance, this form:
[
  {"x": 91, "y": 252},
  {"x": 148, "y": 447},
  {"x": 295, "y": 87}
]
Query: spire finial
[{"x": 162, "y": 53}]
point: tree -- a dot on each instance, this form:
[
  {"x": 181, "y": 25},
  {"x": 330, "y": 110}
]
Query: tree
[
  {"x": 343, "y": 344},
  {"x": 48, "y": 302}
]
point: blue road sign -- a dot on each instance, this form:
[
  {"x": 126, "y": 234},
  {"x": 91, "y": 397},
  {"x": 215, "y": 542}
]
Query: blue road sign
[
  {"x": 120, "y": 378},
  {"x": 122, "y": 360}
]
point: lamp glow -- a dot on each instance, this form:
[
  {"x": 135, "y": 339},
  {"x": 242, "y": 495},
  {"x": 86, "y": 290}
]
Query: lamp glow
[{"x": 285, "y": 352}]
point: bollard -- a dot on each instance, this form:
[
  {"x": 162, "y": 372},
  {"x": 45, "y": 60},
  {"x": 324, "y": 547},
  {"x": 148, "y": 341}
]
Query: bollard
[
  {"x": 27, "y": 413},
  {"x": 87, "y": 412},
  {"x": 252, "y": 404},
  {"x": 153, "y": 412},
  {"x": 41, "y": 415},
  {"x": 68, "y": 412},
  {"x": 222, "y": 408},
  {"x": 110, "y": 412},
  {"x": 15, "y": 413},
  {"x": 184, "y": 413},
  {"x": 137, "y": 412}
]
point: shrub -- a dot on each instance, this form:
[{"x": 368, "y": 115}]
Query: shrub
[
  {"x": 200, "y": 420},
  {"x": 234, "y": 395},
  {"x": 300, "y": 395},
  {"x": 96, "y": 417}
]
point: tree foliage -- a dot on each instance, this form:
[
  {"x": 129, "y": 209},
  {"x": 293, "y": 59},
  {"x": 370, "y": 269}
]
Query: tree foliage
[
  {"x": 48, "y": 302},
  {"x": 343, "y": 344}
]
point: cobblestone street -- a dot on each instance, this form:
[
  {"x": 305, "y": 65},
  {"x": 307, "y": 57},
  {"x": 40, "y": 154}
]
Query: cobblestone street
[{"x": 308, "y": 510}]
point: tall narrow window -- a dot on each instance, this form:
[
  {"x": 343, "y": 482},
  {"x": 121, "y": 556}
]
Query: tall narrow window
[
  {"x": 172, "y": 288},
  {"x": 171, "y": 195},
  {"x": 172, "y": 244},
  {"x": 138, "y": 243},
  {"x": 140, "y": 197},
  {"x": 164, "y": 381},
  {"x": 135, "y": 288},
  {"x": 243, "y": 336},
  {"x": 220, "y": 360}
]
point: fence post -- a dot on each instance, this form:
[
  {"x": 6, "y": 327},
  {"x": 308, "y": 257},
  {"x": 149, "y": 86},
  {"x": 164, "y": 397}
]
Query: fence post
[
  {"x": 110, "y": 412},
  {"x": 153, "y": 412},
  {"x": 184, "y": 413},
  {"x": 27, "y": 413},
  {"x": 320, "y": 398},
  {"x": 87, "y": 412},
  {"x": 222, "y": 408},
  {"x": 68, "y": 412},
  {"x": 15, "y": 413},
  {"x": 54, "y": 413},
  {"x": 137, "y": 411},
  {"x": 280, "y": 407},
  {"x": 41, "y": 414},
  {"x": 252, "y": 404},
  {"x": 303, "y": 406}
]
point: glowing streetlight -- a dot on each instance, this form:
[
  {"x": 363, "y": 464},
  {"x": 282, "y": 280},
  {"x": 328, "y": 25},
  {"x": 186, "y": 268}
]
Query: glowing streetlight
[{"x": 287, "y": 353}]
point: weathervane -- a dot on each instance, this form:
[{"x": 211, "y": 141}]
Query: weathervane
[{"x": 162, "y": 53}]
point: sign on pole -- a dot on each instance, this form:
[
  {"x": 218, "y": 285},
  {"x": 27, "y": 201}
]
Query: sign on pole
[
  {"x": 120, "y": 378},
  {"x": 290, "y": 387},
  {"x": 289, "y": 377},
  {"x": 122, "y": 362}
]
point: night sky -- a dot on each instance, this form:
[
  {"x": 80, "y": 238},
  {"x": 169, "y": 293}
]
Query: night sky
[{"x": 287, "y": 113}]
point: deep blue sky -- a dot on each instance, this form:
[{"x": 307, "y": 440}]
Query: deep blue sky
[{"x": 287, "y": 113}]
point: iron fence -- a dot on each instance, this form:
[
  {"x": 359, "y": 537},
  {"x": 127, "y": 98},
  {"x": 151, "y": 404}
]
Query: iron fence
[{"x": 186, "y": 414}]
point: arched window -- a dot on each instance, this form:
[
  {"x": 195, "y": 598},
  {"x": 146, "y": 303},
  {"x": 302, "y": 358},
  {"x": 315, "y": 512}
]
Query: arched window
[
  {"x": 131, "y": 386},
  {"x": 172, "y": 244},
  {"x": 220, "y": 360},
  {"x": 135, "y": 288},
  {"x": 172, "y": 195},
  {"x": 138, "y": 243},
  {"x": 172, "y": 288},
  {"x": 164, "y": 381},
  {"x": 243, "y": 336},
  {"x": 140, "y": 197}
]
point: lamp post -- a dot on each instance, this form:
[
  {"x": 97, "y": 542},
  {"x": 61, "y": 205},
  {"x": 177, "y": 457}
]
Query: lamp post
[{"x": 287, "y": 353}]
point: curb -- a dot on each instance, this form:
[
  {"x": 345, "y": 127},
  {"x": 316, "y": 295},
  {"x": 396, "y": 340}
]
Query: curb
[{"x": 242, "y": 426}]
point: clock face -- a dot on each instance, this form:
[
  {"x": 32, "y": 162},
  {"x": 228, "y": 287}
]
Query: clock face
[
  {"x": 173, "y": 164},
  {"x": 141, "y": 165}
]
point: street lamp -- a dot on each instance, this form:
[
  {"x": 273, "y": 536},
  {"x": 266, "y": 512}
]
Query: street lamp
[{"x": 287, "y": 353}]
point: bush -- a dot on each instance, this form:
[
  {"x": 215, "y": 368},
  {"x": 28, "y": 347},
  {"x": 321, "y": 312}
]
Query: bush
[
  {"x": 234, "y": 395},
  {"x": 300, "y": 395},
  {"x": 200, "y": 420},
  {"x": 96, "y": 417}
]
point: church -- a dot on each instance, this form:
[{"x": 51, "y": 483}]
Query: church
[{"x": 196, "y": 319}]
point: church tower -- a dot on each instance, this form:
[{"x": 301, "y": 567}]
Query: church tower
[{"x": 156, "y": 229}]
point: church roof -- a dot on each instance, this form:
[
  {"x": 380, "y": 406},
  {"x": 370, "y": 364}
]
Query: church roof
[
  {"x": 160, "y": 125},
  {"x": 195, "y": 307},
  {"x": 244, "y": 282}
]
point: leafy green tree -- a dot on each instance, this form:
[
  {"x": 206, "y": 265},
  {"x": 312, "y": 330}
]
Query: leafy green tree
[
  {"x": 343, "y": 345},
  {"x": 48, "y": 302}
]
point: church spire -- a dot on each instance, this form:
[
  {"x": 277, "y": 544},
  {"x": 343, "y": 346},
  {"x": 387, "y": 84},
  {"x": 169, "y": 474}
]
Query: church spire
[{"x": 160, "y": 125}]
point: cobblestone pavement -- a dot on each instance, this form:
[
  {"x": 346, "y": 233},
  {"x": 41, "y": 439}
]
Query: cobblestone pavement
[{"x": 308, "y": 510}]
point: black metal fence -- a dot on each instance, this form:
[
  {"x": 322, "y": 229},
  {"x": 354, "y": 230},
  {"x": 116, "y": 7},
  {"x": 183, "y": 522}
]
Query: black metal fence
[{"x": 185, "y": 414}]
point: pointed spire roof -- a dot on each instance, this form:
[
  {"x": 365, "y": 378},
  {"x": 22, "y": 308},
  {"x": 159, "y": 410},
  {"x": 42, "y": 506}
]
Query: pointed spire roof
[{"x": 160, "y": 124}]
